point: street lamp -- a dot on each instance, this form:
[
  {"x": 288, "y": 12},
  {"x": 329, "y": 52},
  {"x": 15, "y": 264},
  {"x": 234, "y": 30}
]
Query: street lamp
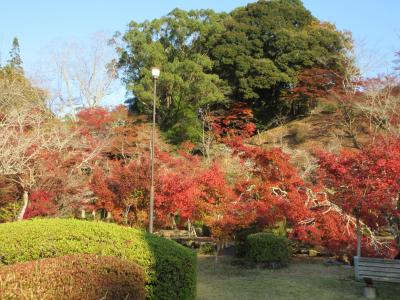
[{"x": 155, "y": 72}]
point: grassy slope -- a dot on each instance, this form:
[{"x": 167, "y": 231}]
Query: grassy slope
[
  {"x": 322, "y": 129},
  {"x": 303, "y": 280}
]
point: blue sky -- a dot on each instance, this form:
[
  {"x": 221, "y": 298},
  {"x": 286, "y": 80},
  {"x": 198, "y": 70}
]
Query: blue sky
[{"x": 375, "y": 24}]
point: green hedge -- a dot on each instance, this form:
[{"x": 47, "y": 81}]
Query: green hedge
[
  {"x": 83, "y": 276},
  {"x": 266, "y": 247},
  {"x": 241, "y": 241},
  {"x": 170, "y": 268}
]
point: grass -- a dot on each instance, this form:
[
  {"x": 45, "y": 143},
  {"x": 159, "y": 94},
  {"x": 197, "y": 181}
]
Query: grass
[{"x": 306, "y": 279}]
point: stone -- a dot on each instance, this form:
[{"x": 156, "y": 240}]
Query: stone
[{"x": 369, "y": 292}]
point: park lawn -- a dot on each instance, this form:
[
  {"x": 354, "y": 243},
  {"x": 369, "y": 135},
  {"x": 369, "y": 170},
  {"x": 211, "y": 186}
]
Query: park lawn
[{"x": 305, "y": 278}]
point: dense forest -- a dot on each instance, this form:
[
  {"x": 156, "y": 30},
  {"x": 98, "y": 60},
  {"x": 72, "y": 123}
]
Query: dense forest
[{"x": 263, "y": 120}]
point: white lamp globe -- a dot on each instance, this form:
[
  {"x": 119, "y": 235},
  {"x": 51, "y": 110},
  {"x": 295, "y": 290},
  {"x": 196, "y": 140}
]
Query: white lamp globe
[{"x": 155, "y": 72}]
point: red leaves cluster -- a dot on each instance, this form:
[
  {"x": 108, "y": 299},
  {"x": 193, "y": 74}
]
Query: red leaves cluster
[
  {"x": 123, "y": 191},
  {"x": 367, "y": 179},
  {"x": 237, "y": 121},
  {"x": 278, "y": 190},
  {"x": 96, "y": 118},
  {"x": 280, "y": 194},
  {"x": 41, "y": 203},
  {"x": 177, "y": 190},
  {"x": 271, "y": 191},
  {"x": 193, "y": 192},
  {"x": 314, "y": 83},
  {"x": 187, "y": 189}
]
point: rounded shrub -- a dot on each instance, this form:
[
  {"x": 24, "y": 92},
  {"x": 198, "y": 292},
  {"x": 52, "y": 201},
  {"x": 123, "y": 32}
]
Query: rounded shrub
[
  {"x": 170, "y": 269},
  {"x": 240, "y": 241},
  {"x": 85, "y": 276},
  {"x": 267, "y": 248}
]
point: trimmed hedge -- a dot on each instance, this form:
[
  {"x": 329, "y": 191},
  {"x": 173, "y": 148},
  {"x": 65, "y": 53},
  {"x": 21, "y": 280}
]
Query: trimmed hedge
[
  {"x": 241, "y": 241},
  {"x": 267, "y": 248},
  {"x": 87, "y": 276},
  {"x": 169, "y": 267}
]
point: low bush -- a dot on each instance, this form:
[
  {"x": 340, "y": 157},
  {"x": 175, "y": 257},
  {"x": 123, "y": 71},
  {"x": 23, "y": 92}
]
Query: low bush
[
  {"x": 241, "y": 241},
  {"x": 170, "y": 269},
  {"x": 76, "y": 277},
  {"x": 207, "y": 249},
  {"x": 267, "y": 248}
]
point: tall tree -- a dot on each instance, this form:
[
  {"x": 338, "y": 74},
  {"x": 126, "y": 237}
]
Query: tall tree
[
  {"x": 83, "y": 73},
  {"x": 176, "y": 43},
  {"x": 265, "y": 46},
  {"x": 15, "y": 60},
  {"x": 366, "y": 183}
]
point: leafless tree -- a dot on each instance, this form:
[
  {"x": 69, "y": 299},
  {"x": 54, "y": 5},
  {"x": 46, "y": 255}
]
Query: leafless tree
[
  {"x": 82, "y": 73},
  {"x": 347, "y": 93},
  {"x": 25, "y": 137},
  {"x": 208, "y": 137},
  {"x": 381, "y": 104}
]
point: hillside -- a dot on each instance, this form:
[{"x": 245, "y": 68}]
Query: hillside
[{"x": 323, "y": 128}]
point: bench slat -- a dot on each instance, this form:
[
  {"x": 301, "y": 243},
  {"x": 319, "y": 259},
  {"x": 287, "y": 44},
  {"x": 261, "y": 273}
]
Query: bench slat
[
  {"x": 379, "y": 260},
  {"x": 383, "y": 263},
  {"x": 381, "y": 270},
  {"x": 384, "y": 279},
  {"x": 377, "y": 269},
  {"x": 374, "y": 274}
]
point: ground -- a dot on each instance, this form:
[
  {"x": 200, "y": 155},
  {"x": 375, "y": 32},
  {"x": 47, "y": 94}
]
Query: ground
[{"x": 306, "y": 279}]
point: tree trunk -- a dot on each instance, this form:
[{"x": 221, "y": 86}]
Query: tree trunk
[
  {"x": 25, "y": 199},
  {"x": 217, "y": 252},
  {"x": 358, "y": 237},
  {"x": 109, "y": 216},
  {"x": 173, "y": 222}
]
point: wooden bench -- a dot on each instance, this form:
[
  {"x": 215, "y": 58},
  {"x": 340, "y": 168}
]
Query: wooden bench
[{"x": 377, "y": 269}]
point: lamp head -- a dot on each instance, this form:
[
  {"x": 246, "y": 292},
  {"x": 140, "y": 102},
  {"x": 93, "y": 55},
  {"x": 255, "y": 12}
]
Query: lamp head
[{"x": 155, "y": 72}]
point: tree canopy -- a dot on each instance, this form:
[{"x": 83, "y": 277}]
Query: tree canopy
[
  {"x": 176, "y": 44},
  {"x": 15, "y": 60},
  {"x": 267, "y": 44},
  {"x": 209, "y": 59}
]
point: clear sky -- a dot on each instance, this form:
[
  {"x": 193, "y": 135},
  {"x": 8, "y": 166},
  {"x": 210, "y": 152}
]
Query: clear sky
[{"x": 375, "y": 23}]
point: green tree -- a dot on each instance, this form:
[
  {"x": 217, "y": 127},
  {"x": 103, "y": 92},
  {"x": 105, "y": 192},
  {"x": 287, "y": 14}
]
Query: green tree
[
  {"x": 267, "y": 44},
  {"x": 178, "y": 43},
  {"x": 258, "y": 53},
  {"x": 18, "y": 93},
  {"x": 15, "y": 60}
]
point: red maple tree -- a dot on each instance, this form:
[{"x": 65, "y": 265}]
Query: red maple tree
[{"x": 365, "y": 183}]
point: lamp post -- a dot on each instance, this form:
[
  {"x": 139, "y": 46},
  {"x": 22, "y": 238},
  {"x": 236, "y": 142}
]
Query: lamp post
[{"x": 155, "y": 72}]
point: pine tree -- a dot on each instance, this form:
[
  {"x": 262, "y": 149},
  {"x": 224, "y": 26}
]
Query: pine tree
[{"x": 15, "y": 60}]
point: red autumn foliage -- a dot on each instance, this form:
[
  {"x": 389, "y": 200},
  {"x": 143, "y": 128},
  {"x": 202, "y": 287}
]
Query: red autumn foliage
[
  {"x": 314, "y": 83},
  {"x": 367, "y": 178},
  {"x": 237, "y": 121},
  {"x": 192, "y": 192},
  {"x": 365, "y": 182},
  {"x": 124, "y": 191},
  {"x": 278, "y": 193},
  {"x": 224, "y": 210},
  {"x": 95, "y": 118},
  {"x": 41, "y": 204},
  {"x": 176, "y": 190}
]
